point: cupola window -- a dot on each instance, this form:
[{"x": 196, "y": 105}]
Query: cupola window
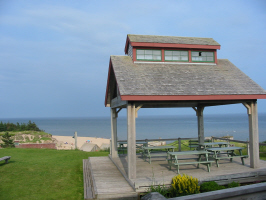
[
  {"x": 176, "y": 55},
  {"x": 202, "y": 56},
  {"x": 153, "y": 55}
]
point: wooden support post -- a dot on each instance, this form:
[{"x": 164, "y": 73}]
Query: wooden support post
[
  {"x": 253, "y": 135},
  {"x": 199, "y": 112},
  {"x": 131, "y": 140},
  {"x": 114, "y": 153}
]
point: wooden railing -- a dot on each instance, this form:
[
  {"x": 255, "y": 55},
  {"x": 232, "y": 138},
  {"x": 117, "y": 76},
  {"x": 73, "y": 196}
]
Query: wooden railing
[{"x": 180, "y": 139}]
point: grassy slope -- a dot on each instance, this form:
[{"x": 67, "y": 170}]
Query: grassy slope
[{"x": 43, "y": 174}]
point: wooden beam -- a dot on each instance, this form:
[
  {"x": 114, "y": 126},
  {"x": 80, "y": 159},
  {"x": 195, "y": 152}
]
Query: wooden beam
[
  {"x": 200, "y": 124},
  {"x": 254, "y": 136},
  {"x": 114, "y": 152},
  {"x": 248, "y": 108},
  {"x": 137, "y": 109}
]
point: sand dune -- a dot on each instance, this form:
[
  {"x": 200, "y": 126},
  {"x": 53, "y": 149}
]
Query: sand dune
[{"x": 68, "y": 142}]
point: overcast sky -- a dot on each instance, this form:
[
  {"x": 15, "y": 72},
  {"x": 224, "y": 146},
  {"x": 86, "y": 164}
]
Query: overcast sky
[{"x": 54, "y": 55}]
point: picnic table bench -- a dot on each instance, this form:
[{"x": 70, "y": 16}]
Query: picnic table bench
[
  {"x": 5, "y": 158},
  {"x": 174, "y": 160},
  {"x": 148, "y": 152},
  {"x": 229, "y": 152}
]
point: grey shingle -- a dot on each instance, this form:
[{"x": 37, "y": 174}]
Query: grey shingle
[
  {"x": 181, "y": 79},
  {"x": 172, "y": 39}
]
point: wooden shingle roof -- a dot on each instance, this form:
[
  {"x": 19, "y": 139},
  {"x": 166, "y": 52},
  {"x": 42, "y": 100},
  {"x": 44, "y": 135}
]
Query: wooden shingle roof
[
  {"x": 181, "y": 80},
  {"x": 172, "y": 39}
]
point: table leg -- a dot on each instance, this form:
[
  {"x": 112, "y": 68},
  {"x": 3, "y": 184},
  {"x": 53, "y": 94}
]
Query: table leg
[
  {"x": 242, "y": 158},
  {"x": 170, "y": 160},
  {"x": 216, "y": 160}
]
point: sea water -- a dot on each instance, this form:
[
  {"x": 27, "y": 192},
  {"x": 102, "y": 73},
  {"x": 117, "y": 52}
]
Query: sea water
[{"x": 152, "y": 127}]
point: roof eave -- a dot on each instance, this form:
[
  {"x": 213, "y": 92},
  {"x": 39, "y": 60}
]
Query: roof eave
[
  {"x": 191, "y": 97},
  {"x": 107, "y": 86},
  {"x": 170, "y": 45}
]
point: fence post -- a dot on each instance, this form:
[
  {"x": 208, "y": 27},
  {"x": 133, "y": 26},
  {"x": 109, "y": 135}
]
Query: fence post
[{"x": 179, "y": 144}]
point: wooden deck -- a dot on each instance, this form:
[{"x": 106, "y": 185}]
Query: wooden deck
[
  {"x": 102, "y": 180},
  {"x": 110, "y": 175}
]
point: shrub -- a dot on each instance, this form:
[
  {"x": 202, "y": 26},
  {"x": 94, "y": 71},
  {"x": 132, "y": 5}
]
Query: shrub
[
  {"x": 160, "y": 189},
  {"x": 233, "y": 184},
  {"x": 210, "y": 186},
  {"x": 8, "y": 142},
  {"x": 184, "y": 185}
]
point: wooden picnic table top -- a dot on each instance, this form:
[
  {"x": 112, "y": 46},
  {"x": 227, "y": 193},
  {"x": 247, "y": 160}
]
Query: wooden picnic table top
[
  {"x": 159, "y": 147},
  {"x": 225, "y": 148},
  {"x": 188, "y": 152}
]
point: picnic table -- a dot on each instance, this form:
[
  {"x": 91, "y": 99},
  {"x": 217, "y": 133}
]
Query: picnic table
[
  {"x": 122, "y": 148},
  {"x": 229, "y": 152},
  {"x": 174, "y": 159},
  {"x": 156, "y": 151},
  {"x": 206, "y": 145}
]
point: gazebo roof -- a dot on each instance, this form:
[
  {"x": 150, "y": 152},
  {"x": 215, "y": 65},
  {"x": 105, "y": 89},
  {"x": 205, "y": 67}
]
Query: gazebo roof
[{"x": 177, "y": 81}]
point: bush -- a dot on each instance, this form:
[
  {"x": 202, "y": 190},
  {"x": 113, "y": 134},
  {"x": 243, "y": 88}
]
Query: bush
[
  {"x": 233, "y": 184},
  {"x": 160, "y": 189},
  {"x": 8, "y": 142},
  {"x": 210, "y": 186},
  {"x": 184, "y": 185}
]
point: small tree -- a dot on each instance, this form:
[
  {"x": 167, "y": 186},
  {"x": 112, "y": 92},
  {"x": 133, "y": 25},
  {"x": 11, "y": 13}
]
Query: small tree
[{"x": 8, "y": 142}]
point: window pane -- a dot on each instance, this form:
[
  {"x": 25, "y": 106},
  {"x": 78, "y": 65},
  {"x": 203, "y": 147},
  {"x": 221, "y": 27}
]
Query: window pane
[
  {"x": 140, "y": 56},
  {"x": 209, "y": 54},
  {"x": 176, "y": 53},
  {"x": 176, "y": 57},
  {"x": 148, "y": 52},
  {"x": 168, "y": 58},
  {"x": 148, "y": 57},
  {"x": 210, "y": 59},
  {"x": 195, "y": 53},
  {"x": 157, "y": 53},
  {"x": 203, "y": 58},
  {"x": 168, "y": 53},
  {"x": 184, "y": 58},
  {"x": 156, "y": 57},
  {"x": 203, "y": 54},
  {"x": 140, "y": 51},
  {"x": 184, "y": 53}
]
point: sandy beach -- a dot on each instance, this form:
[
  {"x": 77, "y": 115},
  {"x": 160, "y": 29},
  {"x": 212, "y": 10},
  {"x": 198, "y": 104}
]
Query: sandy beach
[{"x": 68, "y": 142}]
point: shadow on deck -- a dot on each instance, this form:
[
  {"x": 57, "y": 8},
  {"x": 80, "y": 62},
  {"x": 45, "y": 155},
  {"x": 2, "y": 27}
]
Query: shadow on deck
[{"x": 107, "y": 177}]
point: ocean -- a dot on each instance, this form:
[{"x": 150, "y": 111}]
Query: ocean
[{"x": 153, "y": 127}]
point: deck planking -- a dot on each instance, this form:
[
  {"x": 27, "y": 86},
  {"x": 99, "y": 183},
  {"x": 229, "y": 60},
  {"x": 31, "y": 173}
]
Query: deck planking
[
  {"x": 158, "y": 171},
  {"x": 109, "y": 176},
  {"x": 108, "y": 181}
]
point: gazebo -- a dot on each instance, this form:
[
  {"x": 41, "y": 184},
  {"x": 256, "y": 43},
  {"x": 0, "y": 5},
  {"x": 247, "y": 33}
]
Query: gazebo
[{"x": 170, "y": 72}]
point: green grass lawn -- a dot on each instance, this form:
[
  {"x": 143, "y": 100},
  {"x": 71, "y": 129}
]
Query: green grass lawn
[{"x": 43, "y": 173}]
